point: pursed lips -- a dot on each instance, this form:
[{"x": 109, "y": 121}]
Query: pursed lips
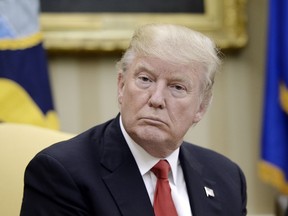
[{"x": 153, "y": 120}]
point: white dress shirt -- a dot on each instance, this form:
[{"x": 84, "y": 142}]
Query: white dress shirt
[{"x": 176, "y": 178}]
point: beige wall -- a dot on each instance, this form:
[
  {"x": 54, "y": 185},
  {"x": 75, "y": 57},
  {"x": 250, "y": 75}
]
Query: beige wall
[{"x": 85, "y": 94}]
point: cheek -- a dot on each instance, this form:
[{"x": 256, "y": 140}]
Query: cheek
[
  {"x": 125, "y": 96},
  {"x": 133, "y": 96},
  {"x": 128, "y": 100},
  {"x": 185, "y": 114}
]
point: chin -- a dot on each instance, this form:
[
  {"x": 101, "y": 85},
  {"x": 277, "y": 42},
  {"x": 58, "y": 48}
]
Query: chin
[{"x": 150, "y": 135}]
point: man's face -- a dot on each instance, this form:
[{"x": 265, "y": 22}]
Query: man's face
[{"x": 158, "y": 103}]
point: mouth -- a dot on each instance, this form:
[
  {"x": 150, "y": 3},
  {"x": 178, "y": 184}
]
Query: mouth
[{"x": 153, "y": 121}]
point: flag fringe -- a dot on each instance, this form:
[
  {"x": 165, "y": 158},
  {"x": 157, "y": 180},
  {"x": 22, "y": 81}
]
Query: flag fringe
[
  {"x": 19, "y": 107},
  {"x": 273, "y": 175},
  {"x": 284, "y": 97},
  {"x": 21, "y": 43}
]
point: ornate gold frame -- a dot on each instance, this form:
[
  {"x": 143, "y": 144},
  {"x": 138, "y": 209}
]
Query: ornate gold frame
[{"x": 224, "y": 21}]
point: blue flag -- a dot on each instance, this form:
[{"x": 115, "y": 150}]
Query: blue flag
[
  {"x": 25, "y": 94},
  {"x": 274, "y": 152}
]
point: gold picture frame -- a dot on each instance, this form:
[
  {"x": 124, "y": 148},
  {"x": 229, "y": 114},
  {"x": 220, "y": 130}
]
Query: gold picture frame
[{"x": 223, "y": 20}]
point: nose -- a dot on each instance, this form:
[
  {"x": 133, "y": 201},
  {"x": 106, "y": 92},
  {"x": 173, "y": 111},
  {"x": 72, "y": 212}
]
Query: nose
[{"x": 157, "y": 97}]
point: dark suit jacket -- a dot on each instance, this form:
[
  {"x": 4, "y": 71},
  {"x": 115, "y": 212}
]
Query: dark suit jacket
[{"x": 95, "y": 174}]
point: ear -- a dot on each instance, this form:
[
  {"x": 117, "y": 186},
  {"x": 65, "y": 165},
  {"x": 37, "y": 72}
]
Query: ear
[
  {"x": 202, "y": 108},
  {"x": 120, "y": 86}
]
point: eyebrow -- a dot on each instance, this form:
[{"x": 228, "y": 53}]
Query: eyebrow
[
  {"x": 184, "y": 80},
  {"x": 144, "y": 66}
]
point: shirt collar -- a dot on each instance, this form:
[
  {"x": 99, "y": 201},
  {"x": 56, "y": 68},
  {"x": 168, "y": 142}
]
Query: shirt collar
[{"x": 144, "y": 160}]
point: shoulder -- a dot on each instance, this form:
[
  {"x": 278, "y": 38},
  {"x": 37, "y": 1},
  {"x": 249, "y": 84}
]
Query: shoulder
[
  {"x": 83, "y": 147},
  {"x": 204, "y": 155},
  {"x": 210, "y": 162}
]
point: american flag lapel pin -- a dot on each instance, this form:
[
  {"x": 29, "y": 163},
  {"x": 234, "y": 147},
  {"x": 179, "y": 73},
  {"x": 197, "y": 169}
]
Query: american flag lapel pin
[{"x": 209, "y": 192}]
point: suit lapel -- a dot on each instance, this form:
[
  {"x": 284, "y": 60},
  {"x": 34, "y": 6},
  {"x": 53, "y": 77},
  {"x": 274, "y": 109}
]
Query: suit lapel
[
  {"x": 200, "y": 203},
  {"x": 122, "y": 176},
  {"x": 129, "y": 191}
]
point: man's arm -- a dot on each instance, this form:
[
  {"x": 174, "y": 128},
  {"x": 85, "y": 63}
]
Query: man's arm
[
  {"x": 50, "y": 190},
  {"x": 243, "y": 192}
]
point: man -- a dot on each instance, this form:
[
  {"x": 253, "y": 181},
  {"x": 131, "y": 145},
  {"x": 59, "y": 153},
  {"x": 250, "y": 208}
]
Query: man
[{"x": 164, "y": 87}]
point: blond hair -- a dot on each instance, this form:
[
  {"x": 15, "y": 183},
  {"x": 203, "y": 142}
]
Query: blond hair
[{"x": 178, "y": 45}]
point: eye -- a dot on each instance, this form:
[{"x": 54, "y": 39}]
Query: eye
[
  {"x": 143, "y": 81},
  {"x": 178, "y": 90}
]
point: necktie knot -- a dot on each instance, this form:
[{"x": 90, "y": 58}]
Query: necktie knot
[{"x": 161, "y": 169}]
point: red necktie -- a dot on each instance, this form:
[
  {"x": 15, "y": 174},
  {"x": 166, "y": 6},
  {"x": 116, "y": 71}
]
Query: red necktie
[{"x": 163, "y": 203}]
